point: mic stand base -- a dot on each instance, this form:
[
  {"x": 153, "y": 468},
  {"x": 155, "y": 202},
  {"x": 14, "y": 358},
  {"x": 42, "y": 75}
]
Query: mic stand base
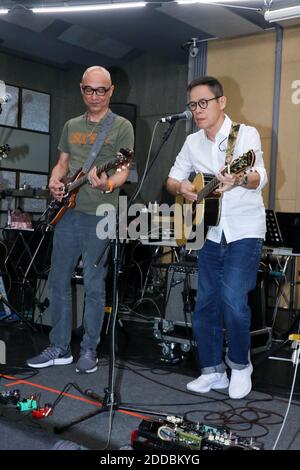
[{"x": 109, "y": 402}]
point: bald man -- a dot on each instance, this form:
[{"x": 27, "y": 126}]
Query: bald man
[{"x": 75, "y": 233}]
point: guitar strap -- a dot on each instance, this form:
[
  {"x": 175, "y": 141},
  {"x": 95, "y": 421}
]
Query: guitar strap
[
  {"x": 106, "y": 125},
  {"x": 232, "y": 138}
]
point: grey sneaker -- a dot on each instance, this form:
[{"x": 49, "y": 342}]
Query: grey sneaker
[
  {"x": 87, "y": 362},
  {"x": 51, "y": 356}
]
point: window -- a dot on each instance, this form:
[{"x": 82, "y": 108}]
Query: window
[{"x": 24, "y": 126}]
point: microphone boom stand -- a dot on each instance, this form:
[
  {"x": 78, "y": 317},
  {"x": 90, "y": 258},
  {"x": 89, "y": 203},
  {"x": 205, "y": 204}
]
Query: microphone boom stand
[
  {"x": 109, "y": 401},
  {"x": 166, "y": 135}
]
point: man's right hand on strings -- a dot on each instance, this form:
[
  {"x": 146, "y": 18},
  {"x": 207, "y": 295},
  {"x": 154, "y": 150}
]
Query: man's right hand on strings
[{"x": 187, "y": 190}]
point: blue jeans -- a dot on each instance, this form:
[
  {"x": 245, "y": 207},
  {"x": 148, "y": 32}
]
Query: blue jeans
[
  {"x": 75, "y": 235},
  {"x": 227, "y": 272}
]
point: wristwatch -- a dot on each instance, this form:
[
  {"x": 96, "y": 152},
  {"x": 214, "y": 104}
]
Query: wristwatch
[{"x": 244, "y": 181}]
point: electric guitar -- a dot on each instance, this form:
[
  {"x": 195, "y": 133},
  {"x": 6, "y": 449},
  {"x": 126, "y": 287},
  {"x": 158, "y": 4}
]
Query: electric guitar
[
  {"x": 207, "y": 209},
  {"x": 57, "y": 209},
  {"x": 4, "y": 149}
]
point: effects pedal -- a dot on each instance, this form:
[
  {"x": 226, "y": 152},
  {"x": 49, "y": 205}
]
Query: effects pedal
[
  {"x": 43, "y": 412},
  {"x": 27, "y": 404},
  {"x": 11, "y": 397}
]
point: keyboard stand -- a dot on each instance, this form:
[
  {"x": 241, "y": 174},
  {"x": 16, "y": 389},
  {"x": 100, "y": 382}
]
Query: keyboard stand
[{"x": 22, "y": 259}]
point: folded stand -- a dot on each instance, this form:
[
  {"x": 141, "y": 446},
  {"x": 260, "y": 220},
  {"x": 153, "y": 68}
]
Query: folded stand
[{"x": 27, "y": 255}]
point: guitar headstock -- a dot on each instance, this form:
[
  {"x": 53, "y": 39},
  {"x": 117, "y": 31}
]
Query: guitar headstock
[
  {"x": 242, "y": 163},
  {"x": 123, "y": 159},
  {"x": 4, "y": 149}
]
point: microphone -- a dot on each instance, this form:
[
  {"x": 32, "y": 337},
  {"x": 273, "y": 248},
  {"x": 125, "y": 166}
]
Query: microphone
[
  {"x": 5, "y": 98},
  {"x": 187, "y": 114}
]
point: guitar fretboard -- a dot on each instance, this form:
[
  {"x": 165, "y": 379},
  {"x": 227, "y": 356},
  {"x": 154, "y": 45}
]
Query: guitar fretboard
[
  {"x": 236, "y": 166},
  {"x": 83, "y": 179},
  {"x": 208, "y": 188}
]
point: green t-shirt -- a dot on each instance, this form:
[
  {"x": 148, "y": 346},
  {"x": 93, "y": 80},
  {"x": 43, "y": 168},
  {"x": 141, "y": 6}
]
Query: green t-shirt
[{"x": 77, "y": 138}]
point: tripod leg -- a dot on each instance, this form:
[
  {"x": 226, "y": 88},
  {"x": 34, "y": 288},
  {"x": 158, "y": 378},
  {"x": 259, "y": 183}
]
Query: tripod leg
[
  {"x": 63, "y": 428},
  {"x": 20, "y": 315}
]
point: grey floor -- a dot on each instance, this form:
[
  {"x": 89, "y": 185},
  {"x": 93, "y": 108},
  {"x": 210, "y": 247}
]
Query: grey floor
[{"x": 144, "y": 382}]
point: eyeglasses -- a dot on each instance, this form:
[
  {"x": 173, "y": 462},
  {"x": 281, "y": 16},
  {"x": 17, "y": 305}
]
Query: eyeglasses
[
  {"x": 192, "y": 105},
  {"x": 101, "y": 91}
]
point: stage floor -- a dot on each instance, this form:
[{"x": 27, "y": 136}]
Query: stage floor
[{"x": 144, "y": 381}]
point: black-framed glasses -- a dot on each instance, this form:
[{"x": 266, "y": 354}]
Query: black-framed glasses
[
  {"x": 101, "y": 91},
  {"x": 203, "y": 103}
]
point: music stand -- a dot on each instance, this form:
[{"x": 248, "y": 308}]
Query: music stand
[
  {"x": 289, "y": 226},
  {"x": 273, "y": 234},
  {"x": 274, "y": 239},
  {"x": 289, "y": 223}
]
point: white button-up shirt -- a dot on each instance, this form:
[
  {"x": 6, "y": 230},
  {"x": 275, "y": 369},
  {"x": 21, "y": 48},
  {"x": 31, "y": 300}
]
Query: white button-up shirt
[{"x": 243, "y": 212}]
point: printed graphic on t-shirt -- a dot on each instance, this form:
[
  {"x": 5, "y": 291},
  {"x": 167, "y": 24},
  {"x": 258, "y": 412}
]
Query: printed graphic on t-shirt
[{"x": 81, "y": 138}]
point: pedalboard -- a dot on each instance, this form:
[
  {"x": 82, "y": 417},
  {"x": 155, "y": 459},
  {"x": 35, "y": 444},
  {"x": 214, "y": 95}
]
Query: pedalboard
[{"x": 175, "y": 433}]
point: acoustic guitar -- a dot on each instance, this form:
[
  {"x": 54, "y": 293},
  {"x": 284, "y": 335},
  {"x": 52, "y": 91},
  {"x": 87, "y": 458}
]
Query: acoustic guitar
[{"x": 207, "y": 209}]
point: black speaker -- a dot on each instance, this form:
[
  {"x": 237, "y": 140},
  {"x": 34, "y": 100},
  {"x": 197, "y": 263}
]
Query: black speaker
[
  {"x": 42, "y": 313},
  {"x": 126, "y": 110},
  {"x": 258, "y": 303}
]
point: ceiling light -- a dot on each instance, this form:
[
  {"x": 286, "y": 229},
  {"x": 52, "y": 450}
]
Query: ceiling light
[
  {"x": 183, "y": 2},
  {"x": 94, "y": 7},
  {"x": 236, "y": 4},
  {"x": 289, "y": 13},
  {"x": 3, "y": 11}
]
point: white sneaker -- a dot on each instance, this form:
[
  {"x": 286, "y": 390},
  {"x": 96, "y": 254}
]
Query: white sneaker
[
  {"x": 240, "y": 382},
  {"x": 206, "y": 382}
]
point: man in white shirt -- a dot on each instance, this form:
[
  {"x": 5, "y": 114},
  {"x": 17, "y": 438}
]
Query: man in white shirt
[{"x": 229, "y": 260}]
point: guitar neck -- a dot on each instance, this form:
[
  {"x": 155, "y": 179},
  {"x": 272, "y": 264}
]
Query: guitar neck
[
  {"x": 84, "y": 179},
  {"x": 208, "y": 188},
  {"x": 214, "y": 183}
]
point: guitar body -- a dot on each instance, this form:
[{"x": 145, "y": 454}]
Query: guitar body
[
  {"x": 57, "y": 209},
  {"x": 212, "y": 211},
  {"x": 190, "y": 215}
]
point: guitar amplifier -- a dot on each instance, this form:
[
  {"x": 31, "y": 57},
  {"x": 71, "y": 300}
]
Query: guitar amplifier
[
  {"x": 42, "y": 315},
  {"x": 181, "y": 292}
]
